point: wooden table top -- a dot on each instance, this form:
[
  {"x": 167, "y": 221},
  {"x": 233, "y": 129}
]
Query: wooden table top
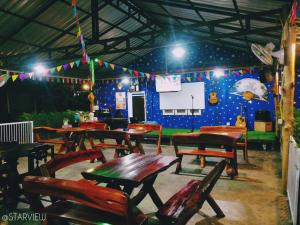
[
  {"x": 19, "y": 150},
  {"x": 132, "y": 169},
  {"x": 62, "y": 130},
  {"x": 235, "y": 135},
  {"x": 133, "y": 131}
]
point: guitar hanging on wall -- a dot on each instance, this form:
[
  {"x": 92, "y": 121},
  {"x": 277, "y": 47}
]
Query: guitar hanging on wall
[
  {"x": 240, "y": 119},
  {"x": 213, "y": 98}
]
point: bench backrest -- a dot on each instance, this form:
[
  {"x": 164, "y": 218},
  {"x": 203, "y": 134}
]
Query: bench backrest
[
  {"x": 95, "y": 125},
  {"x": 150, "y": 127},
  {"x": 203, "y": 138},
  {"x": 97, "y": 197},
  {"x": 62, "y": 161},
  {"x": 242, "y": 130},
  {"x": 38, "y": 131}
]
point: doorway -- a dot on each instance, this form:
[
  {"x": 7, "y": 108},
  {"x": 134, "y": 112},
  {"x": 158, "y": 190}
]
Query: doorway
[{"x": 136, "y": 106}]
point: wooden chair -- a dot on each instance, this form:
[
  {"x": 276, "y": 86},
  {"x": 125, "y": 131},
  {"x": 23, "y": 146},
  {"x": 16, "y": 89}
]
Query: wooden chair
[
  {"x": 61, "y": 161},
  {"x": 122, "y": 144},
  {"x": 94, "y": 125},
  {"x": 40, "y": 132},
  {"x": 242, "y": 143},
  {"x": 83, "y": 203},
  {"x": 150, "y": 127},
  {"x": 201, "y": 140}
]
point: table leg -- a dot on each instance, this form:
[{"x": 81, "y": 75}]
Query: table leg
[
  {"x": 128, "y": 189},
  {"x": 13, "y": 190},
  {"x": 139, "y": 146},
  {"x": 148, "y": 189},
  {"x": 81, "y": 142}
]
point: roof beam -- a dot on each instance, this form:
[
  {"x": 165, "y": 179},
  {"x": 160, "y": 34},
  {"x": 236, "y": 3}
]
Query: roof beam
[
  {"x": 216, "y": 36},
  {"x": 117, "y": 6},
  {"x": 95, "y": 20},
  {"x": 216, "y": 10}
]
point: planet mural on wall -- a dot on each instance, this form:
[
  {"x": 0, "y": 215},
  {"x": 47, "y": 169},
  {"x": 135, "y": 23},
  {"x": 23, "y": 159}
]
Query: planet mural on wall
[{"x": 250, "y": 88}]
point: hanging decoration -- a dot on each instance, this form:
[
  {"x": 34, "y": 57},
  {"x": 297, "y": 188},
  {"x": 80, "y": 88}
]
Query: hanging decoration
[
  {"x": 85, "y": 57},
  {"x": 3, "y": 79}
]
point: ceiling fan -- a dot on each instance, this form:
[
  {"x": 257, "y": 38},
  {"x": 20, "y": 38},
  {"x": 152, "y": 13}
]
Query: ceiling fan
[{"x": 266, "y": 53}]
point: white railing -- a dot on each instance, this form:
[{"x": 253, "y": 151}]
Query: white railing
[
  {"x": 294, "y": 181},
  {"x": 22, "y": 132}
]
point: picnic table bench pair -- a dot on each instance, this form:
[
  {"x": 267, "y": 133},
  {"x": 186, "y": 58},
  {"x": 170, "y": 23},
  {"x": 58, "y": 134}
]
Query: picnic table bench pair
[{"x": 85, "y": 203}]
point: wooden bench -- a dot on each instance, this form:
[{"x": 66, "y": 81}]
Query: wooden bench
[
  {"x": 121, "y": 138},
  {"x": 150, "y": 127},
  {"x": 186, "y": 202},
  {"x": 85, "y": 203},
  {"x": 241, "y": 143},
  {"x": 201, "y": 140}
]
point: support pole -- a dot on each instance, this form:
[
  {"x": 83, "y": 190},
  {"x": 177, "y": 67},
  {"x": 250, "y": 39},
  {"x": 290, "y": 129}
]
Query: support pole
[
  {"x": 288, "y": 79},
  {"x": 95, "y": 21}
]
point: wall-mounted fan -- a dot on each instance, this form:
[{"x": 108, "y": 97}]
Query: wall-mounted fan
[{"x": 265, "y": 53}]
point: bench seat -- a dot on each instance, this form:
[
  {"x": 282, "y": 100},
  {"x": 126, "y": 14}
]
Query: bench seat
[
  {"x": 213, "y": 153},
  {"x": 82, "y": 214},
  {"x": 52, "y": 141}
]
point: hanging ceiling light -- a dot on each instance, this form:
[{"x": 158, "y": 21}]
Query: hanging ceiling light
[{"x": 178, "y": 52}]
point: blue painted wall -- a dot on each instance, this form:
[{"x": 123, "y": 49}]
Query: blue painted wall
[
  {"x": 199, "y": 56},
  {"x": 225, "y": 111}
]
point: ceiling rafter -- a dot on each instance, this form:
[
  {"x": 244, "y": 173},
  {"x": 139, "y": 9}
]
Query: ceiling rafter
[
  {"x": 236, "y": 7},
  {"x": 214, "y": 10}
]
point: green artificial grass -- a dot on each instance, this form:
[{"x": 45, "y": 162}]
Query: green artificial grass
[{"x": 252, "y": 135}]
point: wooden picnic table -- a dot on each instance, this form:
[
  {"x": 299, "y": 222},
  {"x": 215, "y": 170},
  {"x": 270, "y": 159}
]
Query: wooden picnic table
[
  {"x": 136, "y": 135},
  {"x": 10, "y": 154},
  {"x": 131, "y": 171}
]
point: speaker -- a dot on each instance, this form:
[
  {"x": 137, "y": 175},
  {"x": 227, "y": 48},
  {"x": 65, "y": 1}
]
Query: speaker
[{"x": 262, "y": 116}]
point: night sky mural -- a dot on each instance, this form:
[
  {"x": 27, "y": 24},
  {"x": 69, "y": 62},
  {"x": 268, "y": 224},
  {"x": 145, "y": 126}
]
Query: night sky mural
[{"x": 201, "y": 57}]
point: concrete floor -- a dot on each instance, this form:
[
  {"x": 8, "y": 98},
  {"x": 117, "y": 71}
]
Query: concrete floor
[{"x": 253, "y": 198}]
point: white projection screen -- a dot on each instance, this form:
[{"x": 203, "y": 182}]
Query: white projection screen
[{"x": 182, "y": 99}]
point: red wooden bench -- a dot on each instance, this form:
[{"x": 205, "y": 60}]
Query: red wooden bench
[
  {"x": 186, "y": 202},
  {"x": 85, "y": 203},
  {"x": 241, "y": 143},
  {"x": 150, "y": 127},
  {"x": 203, "y": 139}
]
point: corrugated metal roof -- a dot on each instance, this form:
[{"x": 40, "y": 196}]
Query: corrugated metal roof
[{"x": 31, "y": 29}]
